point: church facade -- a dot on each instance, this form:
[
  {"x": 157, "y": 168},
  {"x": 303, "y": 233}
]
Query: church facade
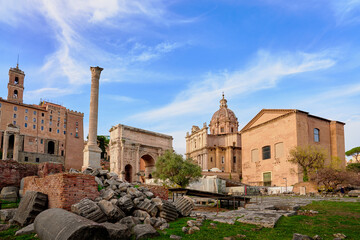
[
  {"x": 262, "y": 146},
  {"x": 34, "y": 133}
]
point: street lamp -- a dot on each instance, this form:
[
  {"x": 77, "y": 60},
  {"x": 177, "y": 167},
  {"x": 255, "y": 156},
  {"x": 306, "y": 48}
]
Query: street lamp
[{"x": 285, "y": 183}]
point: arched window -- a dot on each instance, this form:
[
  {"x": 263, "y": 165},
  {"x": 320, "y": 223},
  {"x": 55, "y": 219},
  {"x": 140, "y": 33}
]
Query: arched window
[
  {"x": 16, "y": 81},
  {"x": 316, "y": 135},
  {"x": 266, "y": 152},
  {"x": 15, "y": 93}
]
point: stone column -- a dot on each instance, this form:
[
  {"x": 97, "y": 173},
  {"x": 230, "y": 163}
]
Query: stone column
[
  {"x": 5, "y": 146},
  {"x": 138, "y": 162},
  {"x": 122, "y": 167},
  {"x": 92, "y": 153},
  {"x": 16, "y": 147}
]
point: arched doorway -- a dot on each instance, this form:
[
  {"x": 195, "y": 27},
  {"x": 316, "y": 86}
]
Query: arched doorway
[
  {"x": 128, "y": 173},
  {"x": 51, "y": 147},
  {"x": 11, "y": 145},
  {"x": 147, "y": 166}
]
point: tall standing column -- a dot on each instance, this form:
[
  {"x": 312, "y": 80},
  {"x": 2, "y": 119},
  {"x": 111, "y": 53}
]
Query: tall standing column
[
  {"x": 92, "y": 153},
  {"x": 16, "y": 147},
  {"x": 5, "y": 146}
]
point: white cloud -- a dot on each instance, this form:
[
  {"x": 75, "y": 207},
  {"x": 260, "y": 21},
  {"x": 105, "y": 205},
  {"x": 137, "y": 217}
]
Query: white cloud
[
  {"x": 48, "y": 92},
  {"x": 346, "y": 11},
  {"x": 122, "y": 98},
  {"x": 264, "y": 72}
]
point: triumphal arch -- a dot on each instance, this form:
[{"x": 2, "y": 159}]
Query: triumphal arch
[{"x": 134, "y": 151}]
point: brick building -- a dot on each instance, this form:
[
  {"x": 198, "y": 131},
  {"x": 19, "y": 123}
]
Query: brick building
[
  {"x": 46, "y": 132},
  {"x": 258, "y": 153}
]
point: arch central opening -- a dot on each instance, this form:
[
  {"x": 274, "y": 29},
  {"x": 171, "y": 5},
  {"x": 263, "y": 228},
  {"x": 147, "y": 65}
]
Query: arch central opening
[
  {"x": 128, "y": 173},
  {"x": 147, "y": 166}
]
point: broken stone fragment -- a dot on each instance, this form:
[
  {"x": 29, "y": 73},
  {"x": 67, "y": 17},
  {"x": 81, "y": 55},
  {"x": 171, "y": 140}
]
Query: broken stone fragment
[
  {"x": 89, "y": 209},
  {"x": 130, "y": 221},
  {"x": 184, "y": 205},
  {"x": 26, "y": 230},
  {"x": 112, "y": 212},
  {"x": 117, "y": 231},
  {"x": 167, "y": 209},
  {"x": 143, "y": 231},
  {"x": 108, "y": 194},
  {"x": 142, "y": 215},
  {"x": 298, "y": 236},
  {"x": 30, "y": 206},
  {"x": 125, "y": 203},
  {"x": 148, "y": 207},
  {"x": 60, "y": 224},
  {"x": 164, "y": 226},
  {"x": 149, "y": 194},
  {"x": 134, "y": 192},
  {"x": 175, "y": 237},
  {"x": 7, "y": 214}
]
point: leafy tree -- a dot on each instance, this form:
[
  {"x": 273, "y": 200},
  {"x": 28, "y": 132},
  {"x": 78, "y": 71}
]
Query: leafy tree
[
  {"x": 355, "y": 152},
  {"x": 171, "y": 166},
  {"x": 103, "y": 143},
  {"x": 309, "y": 158},
  {"x": 354, "y": 167}
]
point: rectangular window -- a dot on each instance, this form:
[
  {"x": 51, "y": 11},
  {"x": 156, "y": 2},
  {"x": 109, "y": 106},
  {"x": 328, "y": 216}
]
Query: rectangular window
[
  {"x": 316, "y": 135},
  {"x": 279, "y": 150},
  {"x": 58, "y": 131},
  {"x": 211, "y": 159},
  {"x": 0, "y": 105},
  {"x": 34, "y": 112},
  {"x": 42, "y": 128},
  {"x": 76, "y": 130},
  {"x": 58, "y": 119},
  {"x": 62, "y": 152},
  {"x": 234, "y": 159},
  {"x": 49, "y": 129},
  {"x": 41, "y": 141},
  {"x": 222, "y": 129},
  {"x": 34, "y": 119},
  {"x": 26, "y": 125},
  {"x": 26, "y": 159},
  {"x": 267, "y": 179},
  {"x": 76, "y": 123},
  {"x": 222, "y": 160},
  {"x": 34, "y": 126},
  {"x": 14, "y": 122},
  {"x": 64, "y": 125},
  {"x": 76, "y": 135},
  {"x": 15, "y": 108},
  {"x": 42, "y": 114},
  {"x": 255, "y": 155},
  {"x": 42, "y": 121},
  {"x": 37, "y": 159},
  {"x": 26, "y": 110},
  {"x": 50, "y": 122},
  {"x": 26, "y": 118},
  {"x": 50, "y": 117},
  {"x": 64, "y": 132},
  {"x": 266, "y": 152},
  {"x": 14, "y": 115}
]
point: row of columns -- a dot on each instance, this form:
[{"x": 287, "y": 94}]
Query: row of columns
[{"x": 6, "y": 145}]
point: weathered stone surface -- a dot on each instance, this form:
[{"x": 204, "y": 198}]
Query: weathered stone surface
[
  {"x": 9, "y": 194},
  {"x": 164, "y": 226},
  {"x": 4, "y": 227},
  {"x": 264, "y": 219},
  {"x": 142, "y": 231},
  {"x": 130, "y": 221},
  {"x": 30, "y": 206},
  {"x": 125, "y": 203},
  {"x": 26, "y": 230},
  {"x": 298, "y": 236},
  {"x": 112, "y": 211},
  {"x": 141, "y": 214},
  {"x": 134, "y": 192},
  {"x": 89, "y": 209},
  {"x": 167, "y": 210},
  {"x": 108, "y": 194},
  {"x": 99, "y": 182},
  {"x": 354, "y": 193},
  {"x": 176, "y": 237},
  {"x": 117, "y": 231},
  {"x": 148, "y": 207},
  {"x": 149, "y": 194},
  {"x": 7, "y": 214},
  {"x": 339, "y": 235},
  {"x": 60, "y": 224},
  {"x": 286, "y": 206},
  {"x": 184, "y": 205}
]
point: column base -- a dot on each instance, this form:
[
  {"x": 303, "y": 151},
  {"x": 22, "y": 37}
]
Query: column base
[{"x": 92, "y": 156}]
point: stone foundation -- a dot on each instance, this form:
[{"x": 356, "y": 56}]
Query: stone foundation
[{"x": 63, "y": 189}]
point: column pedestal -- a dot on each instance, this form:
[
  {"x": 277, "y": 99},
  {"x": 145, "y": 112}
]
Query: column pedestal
[{"x": 92, "y": 155}]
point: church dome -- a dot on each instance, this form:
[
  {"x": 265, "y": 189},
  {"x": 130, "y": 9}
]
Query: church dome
[{"x": 223, "y": 120}]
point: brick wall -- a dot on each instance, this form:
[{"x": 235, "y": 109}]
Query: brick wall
[
  {"x": 11, "y": 172},
  {"x": 158, "y": 191},
  {"x": 311, "y": 187},
  {"x": 63, "y": 189}
]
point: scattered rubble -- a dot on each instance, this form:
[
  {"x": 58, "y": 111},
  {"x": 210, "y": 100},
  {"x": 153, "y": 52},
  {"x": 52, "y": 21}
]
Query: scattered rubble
[
  {"x": 339, "y": 235},
  {"x": 30, "y": 206},
  {"x": 184, "y": 205},
  {"x": 9, "y": 194},
  {"x": 298, "y": 236},
  {"x": 26, "y": 230},
  {"x": 7, "y": 214},
  {"x": 354, "y": 193}
]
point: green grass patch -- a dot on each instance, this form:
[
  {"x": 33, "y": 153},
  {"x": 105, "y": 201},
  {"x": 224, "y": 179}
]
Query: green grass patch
[
  {"x": 333, "y": 217},
  {"x": 10, "y": 234},
  {"x": 6, "y": 204}
]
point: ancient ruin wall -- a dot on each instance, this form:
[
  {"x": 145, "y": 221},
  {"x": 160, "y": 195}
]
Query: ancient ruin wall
[
  {"x": 63, "y": 189},
  {"x": 11, "y": 172},
  {"x": 158, "y": 191}
]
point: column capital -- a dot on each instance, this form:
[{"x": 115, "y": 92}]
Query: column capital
[{"x": 96, "y": 70}]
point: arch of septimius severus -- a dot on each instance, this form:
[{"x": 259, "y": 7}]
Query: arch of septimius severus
[{"x": 134, "y": 151}]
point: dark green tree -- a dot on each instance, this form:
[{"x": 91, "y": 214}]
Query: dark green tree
[
  {"x": 171, "y": 166},
  {"x": 103, "y": 143},
  {"x": 355, "y": 152},
  {"x": 309, "y": 158},
  {"x": 354, "y": 167}
]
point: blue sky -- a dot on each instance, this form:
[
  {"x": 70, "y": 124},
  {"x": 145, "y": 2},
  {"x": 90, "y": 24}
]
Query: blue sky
[{"x": 166, "y": 63}]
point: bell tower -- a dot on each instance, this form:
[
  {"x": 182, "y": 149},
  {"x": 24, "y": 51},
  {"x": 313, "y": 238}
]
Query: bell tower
[{"x": 16, "y": 85}]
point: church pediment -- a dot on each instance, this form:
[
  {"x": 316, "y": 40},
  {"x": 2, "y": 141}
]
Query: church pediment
[{"x": 266, "y": 115}]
